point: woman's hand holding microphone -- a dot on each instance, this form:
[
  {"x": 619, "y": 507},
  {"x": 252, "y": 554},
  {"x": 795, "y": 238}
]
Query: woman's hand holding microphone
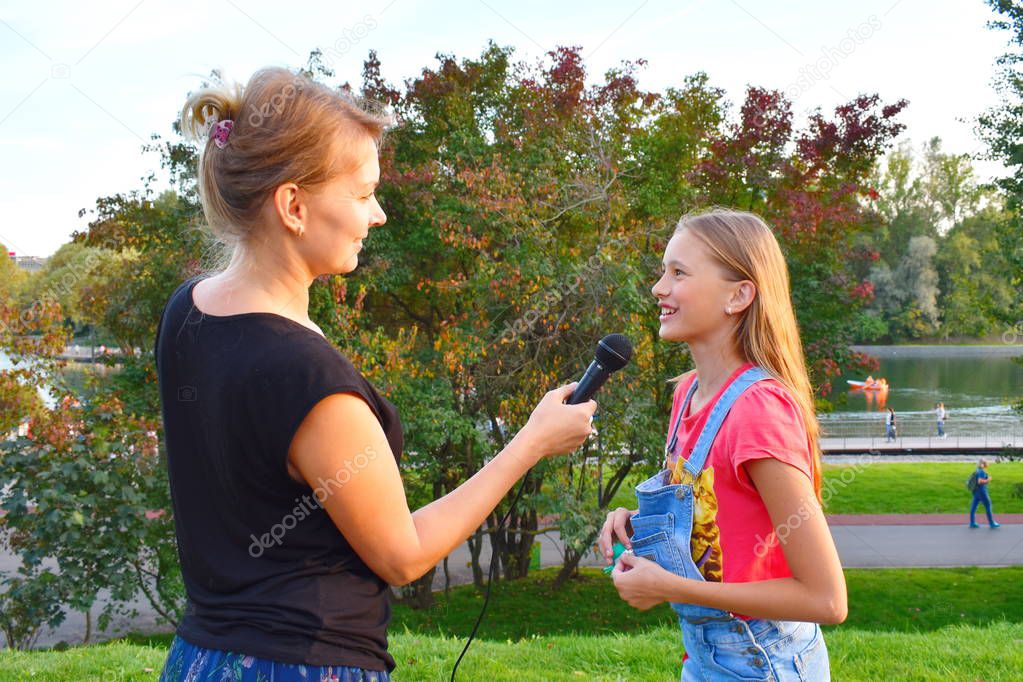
[{"x": 555, "y": 428}]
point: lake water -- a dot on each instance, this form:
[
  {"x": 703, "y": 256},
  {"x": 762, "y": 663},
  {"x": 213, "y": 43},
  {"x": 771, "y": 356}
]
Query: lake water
[
  {"x": 74, "y": 373},
  {"x": 976, "y": 383}
]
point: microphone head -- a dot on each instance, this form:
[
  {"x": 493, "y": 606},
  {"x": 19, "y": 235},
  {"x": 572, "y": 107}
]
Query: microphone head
[{"x": 614, "y": 351}]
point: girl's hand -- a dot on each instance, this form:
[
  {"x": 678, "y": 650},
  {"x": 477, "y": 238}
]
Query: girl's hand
[
  {"x": 617, "y": 527},
  {"x": 640, "y": 582}
]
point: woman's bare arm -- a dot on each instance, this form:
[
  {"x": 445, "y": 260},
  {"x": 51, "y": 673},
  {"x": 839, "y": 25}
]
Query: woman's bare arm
[{"x": 341, "y": 434}]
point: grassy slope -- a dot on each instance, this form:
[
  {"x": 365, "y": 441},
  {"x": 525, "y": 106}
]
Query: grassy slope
[
  {"x": 918, "y": 624},
  {"x": 947, "y": 654}
]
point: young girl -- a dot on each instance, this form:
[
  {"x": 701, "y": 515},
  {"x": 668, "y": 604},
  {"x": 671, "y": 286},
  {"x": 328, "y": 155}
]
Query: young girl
[{"x": 731, "y": 533}]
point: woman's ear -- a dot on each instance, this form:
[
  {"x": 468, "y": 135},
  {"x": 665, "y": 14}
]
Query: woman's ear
[{"x": 289, "y": 207}]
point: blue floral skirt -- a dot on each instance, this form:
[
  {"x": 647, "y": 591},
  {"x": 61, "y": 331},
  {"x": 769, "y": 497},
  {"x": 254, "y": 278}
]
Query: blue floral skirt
[{"x": 190, "y": 663}]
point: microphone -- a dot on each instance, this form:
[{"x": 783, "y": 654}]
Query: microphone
[{"x": 613, "y": 352}]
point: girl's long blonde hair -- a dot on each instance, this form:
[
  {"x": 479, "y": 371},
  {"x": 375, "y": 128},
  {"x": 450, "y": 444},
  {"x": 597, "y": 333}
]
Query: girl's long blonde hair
[{"x": 767, "y": 333}]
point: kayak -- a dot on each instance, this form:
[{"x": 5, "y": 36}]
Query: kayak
[{"x": 864, "y": 386}]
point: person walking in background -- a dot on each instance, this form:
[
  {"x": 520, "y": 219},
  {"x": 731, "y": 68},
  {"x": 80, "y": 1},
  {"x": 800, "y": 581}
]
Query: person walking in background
[
  {"x": 978, "y": 483},
  {"x": 889, "y": 426},
  {"x": 940, "y": 414}
]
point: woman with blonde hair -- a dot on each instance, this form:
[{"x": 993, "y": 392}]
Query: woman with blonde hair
[
  {"x": 731, "y": 532},
  {"x": 290, "y": 515}
]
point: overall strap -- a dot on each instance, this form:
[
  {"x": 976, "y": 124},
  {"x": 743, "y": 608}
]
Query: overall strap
[
  {"x": 678, "y": 422},
  {"x": 694, "y": 465},
  {"x": 717, "y": 416}
]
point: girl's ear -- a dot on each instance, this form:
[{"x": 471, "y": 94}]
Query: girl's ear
[{"x": 742, "y": 296}]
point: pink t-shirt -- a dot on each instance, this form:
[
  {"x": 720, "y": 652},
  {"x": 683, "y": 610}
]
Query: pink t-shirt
[{"x": 733, "y": 538}]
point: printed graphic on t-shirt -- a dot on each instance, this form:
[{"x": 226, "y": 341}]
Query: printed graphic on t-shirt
[{"x": 705, "y": 542}]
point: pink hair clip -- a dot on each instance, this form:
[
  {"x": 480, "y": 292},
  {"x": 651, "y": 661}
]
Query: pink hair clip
[{"x": 220, "y": 131}]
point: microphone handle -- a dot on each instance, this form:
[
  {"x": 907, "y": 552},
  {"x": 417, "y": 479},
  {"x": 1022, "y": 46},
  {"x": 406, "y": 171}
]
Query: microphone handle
[{"x": 594, "y": 377}]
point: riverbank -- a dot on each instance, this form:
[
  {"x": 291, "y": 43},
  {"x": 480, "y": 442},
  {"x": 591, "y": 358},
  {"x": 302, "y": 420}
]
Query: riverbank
[{"x": 1002, "y": 350}]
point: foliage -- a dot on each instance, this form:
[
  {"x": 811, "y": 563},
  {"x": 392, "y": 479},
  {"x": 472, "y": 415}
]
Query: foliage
[
  {"x": 88, "y": 491},
  {"x": 528, "y": 210},
  {"x": 28, "y": 603},
  {"x": 1002, "y": 129},
  {"x": 12, "y": 277},
  {"x": 810, "y": 185},
  {"x": 87, "y": 488},
  {"x": 941, "y": 267}
]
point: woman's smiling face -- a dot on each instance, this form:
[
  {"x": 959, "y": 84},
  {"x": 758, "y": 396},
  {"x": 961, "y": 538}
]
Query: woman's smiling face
[
  {"x": 692, "y": 293},
  {"x": 341, "y": 213}
]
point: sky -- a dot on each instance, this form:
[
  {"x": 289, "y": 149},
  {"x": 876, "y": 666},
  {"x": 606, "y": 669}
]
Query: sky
[{"x": 86, "y": 84}]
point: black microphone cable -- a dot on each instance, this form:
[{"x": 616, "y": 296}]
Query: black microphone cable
[
  {"x": 490, "y": 577},
  {"x": 613, "y": 352}
]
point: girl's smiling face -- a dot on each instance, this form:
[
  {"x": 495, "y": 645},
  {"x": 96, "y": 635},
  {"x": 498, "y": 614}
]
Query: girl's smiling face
[{"x": 692, "y": 292}]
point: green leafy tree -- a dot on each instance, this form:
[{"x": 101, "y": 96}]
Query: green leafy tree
[
  {"x": 975, "y": 293},
  {"x": 933, "y": 203},
  {"x": 12, "y": 277},
  {"x": 1002, "y": 129},
  {"x": 811, "y": 185}
]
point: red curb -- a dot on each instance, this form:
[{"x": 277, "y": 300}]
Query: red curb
[{"x": 919, "y": 519}]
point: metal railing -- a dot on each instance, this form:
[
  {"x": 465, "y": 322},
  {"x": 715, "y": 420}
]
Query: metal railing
[{"x": 951, "y": 442}]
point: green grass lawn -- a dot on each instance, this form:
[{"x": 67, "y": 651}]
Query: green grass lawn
[
  {"x": 917, "y": 488},
  {"x": 655, "y": 654},
  {"x": 903, "y": 600},
  {"x": 897, "y": 488},
  {"x": 904, "y": 624}
]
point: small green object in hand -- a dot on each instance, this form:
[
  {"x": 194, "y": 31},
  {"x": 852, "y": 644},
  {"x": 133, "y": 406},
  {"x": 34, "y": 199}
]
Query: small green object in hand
[{"x": 618, "y": 549}]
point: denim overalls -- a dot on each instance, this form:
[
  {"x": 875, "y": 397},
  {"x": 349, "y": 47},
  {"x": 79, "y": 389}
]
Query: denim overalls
[{"x": 720, "y": 646}]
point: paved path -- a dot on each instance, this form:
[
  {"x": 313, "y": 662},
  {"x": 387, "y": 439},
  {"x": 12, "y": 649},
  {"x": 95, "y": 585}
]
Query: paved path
[
  {"x": 901, "y": 540},
  {"x": 917, "y": 519},
  {"x": 931, "y": 546}
]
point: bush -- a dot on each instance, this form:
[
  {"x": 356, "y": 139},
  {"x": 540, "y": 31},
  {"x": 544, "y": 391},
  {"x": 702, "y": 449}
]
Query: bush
[{"x": 27, "y": 604}]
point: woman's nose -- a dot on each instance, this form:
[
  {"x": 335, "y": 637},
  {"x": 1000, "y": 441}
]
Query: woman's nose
[{"x": 379, "y": 217}]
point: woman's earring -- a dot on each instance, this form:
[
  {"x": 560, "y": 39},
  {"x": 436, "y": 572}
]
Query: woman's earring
[
  {"x": 301, "y": 230},
  {"x": 728, "y": 310}
]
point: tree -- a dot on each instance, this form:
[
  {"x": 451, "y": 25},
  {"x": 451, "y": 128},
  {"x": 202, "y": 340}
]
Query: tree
[
  {"x": 975, "y": 294},
  {"x": 918, "y": 281},
  {"x": 1002, "y": 129},
  {"x": 86, "y": 487},
  {"x": 811, "y": 186},
  {"x": 949, "y": 185},
  {"x": 925, "y": 203},
  {"x": 902, "y": 204},
  {"x": 12, "y": 277},
  {"x": 510, "y": 249}
]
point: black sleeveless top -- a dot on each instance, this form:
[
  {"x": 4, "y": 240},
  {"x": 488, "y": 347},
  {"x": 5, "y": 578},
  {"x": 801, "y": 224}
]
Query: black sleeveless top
[{"x": 266, "y": 571}]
